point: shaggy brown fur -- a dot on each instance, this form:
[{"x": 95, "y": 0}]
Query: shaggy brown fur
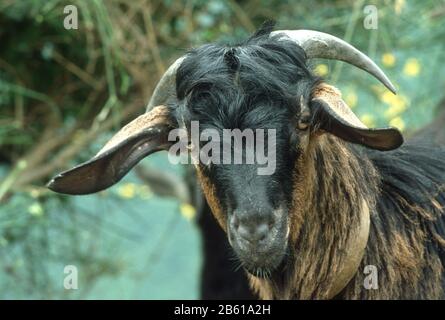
[
  {"x": 407, "y": 236},
  {"x": 211, "y": 197}
]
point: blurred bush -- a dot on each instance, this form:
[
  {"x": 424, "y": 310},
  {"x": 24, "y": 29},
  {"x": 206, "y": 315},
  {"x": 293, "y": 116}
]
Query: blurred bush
[{"x": 62, "y": 92}]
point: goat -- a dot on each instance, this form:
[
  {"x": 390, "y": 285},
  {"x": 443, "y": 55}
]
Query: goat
[{"x": 342, "y": 197}]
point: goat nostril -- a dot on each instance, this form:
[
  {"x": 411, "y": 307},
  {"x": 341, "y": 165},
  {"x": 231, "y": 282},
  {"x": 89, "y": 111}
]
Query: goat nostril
[
  {"x": 244, "y": 232},
  {"x": 262, "y": 231},
  {"x": 253, "y": 233}
]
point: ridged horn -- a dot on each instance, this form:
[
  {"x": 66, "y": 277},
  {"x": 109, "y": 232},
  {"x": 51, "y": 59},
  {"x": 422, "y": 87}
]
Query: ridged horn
[
  {"x": 165, "y": 90},
  {"x": 322, "y": 45}
]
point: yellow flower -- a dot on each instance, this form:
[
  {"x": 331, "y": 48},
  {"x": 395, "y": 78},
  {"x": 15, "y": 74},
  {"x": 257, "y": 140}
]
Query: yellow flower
[
  {"x": 388, "y": 60},
  {"x": 351, "y": 99},
  {"x": 395, "y": 110},
  {"x": 128, "y": 190},
  {"x": 398, "y": 123},
  {"x": 144, "y": 192},
  {"x": 397, "y": 104},
  {"x": 35, "y": 193},
  {"x": 412, "y": 67},
  {"x": 188, "y": 211},
  {"x": 35, "y": 209},
  {"x": 377, "y": 89},
  {"x": 398, "y": 6},
  {"x": 321, "y": 70},
  {"x": 368, "y": 120}
]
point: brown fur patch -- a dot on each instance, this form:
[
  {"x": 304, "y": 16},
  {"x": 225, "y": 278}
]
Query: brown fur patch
[
  {"x": 321, "y": 220},
  {"x": 328, "y": 181},
  {"x": 209, "y": 191}
]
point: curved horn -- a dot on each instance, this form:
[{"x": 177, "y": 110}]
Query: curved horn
[
  {"x": 165, "y": 90},
  {"x": 322, "y": 45}
]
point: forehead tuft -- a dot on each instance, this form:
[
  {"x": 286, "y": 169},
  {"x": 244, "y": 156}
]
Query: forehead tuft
[
  {"x": 266, "y": 63},
  {"x": 254, "y": 84}
]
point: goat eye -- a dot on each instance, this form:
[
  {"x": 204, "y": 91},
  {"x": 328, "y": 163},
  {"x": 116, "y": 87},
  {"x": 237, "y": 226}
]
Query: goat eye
[
  {"x": 304, "y": 116},
  {"x": 303, "y": 123}
]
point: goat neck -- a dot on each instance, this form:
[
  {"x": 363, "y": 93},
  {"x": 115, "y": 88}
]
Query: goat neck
[{"x": 328, "y": 234}]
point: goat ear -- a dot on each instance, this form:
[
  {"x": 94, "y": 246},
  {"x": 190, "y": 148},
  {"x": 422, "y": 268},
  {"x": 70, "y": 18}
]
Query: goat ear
[
  {"x": 141, "y": 137},
  {"x": 332, "y": 114}
]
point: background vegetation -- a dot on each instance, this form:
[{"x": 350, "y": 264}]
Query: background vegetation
[{"x": 63, "y": 93}]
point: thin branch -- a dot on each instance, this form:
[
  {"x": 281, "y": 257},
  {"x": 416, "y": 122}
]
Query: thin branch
[
  {"x": 73, "y": 68},
  {"x": 152, "y": 42},
  {"x": 241, "y": 15},
  {"x": 44, "y": 168}
]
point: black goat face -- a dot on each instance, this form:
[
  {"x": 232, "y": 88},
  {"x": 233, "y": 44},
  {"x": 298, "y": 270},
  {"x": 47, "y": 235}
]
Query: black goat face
[
  {"x": 254, "y": 196},
  {"x": 255, "y": 206},
  {"x": 257, "y": 224},
  {"x": 247, "y": 91}
]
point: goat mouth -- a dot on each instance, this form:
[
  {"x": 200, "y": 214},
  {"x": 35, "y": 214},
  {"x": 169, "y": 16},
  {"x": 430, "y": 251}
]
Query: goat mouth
[
  {"x": 262, "y": 263},
  {"x": 259, "y": 272},
  {"x": 265, "y": 268}
]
